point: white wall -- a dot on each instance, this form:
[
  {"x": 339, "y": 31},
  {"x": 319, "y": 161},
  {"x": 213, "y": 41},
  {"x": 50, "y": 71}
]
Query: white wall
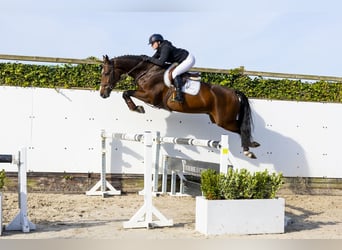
[{"x": 62, "y": 128}]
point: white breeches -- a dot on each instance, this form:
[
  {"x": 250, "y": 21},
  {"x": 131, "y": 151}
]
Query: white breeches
[{"x": 184, "y": 66}]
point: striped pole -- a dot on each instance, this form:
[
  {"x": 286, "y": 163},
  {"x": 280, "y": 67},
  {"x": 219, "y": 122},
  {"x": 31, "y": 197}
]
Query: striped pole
[
  {"x": 191, "y": 141},
  {"x": 6, "y": 158}
]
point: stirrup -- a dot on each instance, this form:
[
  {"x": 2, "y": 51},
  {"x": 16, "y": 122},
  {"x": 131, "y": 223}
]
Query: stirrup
[
  {"x": 178, "y": 98},
  {"x": 181, "y": 100}
]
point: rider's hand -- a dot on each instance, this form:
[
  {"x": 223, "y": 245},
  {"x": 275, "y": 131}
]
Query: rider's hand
[{"x": 145, "y": 58}]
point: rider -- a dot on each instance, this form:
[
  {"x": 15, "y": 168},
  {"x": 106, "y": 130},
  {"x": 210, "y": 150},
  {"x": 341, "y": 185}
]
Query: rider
[{"x": 166, "y": 53}]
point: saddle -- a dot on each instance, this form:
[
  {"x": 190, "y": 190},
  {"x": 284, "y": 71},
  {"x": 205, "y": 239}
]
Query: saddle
[
  {"x": 191, "y": 80},
  {"x": 193, "y": 76}
]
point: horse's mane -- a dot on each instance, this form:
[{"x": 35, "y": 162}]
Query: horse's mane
[
  {"x": 138, "y": 58},
  {"x": 128, "y": 57}
]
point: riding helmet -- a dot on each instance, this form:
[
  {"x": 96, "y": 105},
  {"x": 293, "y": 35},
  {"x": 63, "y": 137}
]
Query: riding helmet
[{"x": 155, "y": 38}]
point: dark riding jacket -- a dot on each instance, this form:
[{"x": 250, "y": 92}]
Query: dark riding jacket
[{"x": 167, "y": 53}]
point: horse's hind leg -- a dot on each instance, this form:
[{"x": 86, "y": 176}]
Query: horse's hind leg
[
  {"x": 131, "y": 105},
  {"x": 245, "y": 146},
  {"x": 234, "y": 127},
  {"x": 246, "y": 152},
  {"x": 254, "y": 144}
]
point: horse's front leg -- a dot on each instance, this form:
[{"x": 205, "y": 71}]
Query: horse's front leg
[{"x": 131, "y": 105}]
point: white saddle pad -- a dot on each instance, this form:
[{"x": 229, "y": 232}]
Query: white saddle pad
[{"x": 191, "y": 87}]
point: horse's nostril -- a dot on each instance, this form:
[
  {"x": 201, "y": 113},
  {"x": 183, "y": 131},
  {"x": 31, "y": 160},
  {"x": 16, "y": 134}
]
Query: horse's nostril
[{"x": 104, "y": 95}]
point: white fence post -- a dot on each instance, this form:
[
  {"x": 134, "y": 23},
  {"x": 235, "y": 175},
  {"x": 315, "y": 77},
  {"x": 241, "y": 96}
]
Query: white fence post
[
  {"x": 224, "y": 151},
  {"x": 144, "y": 216},
  {"x": 21, "y": 221},
  {"x": 157, "y": 159},
  {"x": 106, "y": 187}
]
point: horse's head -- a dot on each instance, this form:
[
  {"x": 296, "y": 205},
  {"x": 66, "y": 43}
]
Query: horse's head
[
  {"x": 108, "y": 77},
  {"x": 113, "y": 68}
]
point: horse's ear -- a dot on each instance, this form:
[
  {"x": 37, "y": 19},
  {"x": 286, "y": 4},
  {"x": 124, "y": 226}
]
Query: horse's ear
[{"x": 105, "y": 58}]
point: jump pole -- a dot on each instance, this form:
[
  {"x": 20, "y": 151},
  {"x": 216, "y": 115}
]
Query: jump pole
[
  {"x": 105, "y": 187},
  {"x": 144, "y": 216},
  {"x": 21, "y": 221},
  {"x": 222, "y": 146}
]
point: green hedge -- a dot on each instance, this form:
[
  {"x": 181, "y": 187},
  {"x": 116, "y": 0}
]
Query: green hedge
[
  {"x": 50, "y": 76},
  {"x": 88, "y": 76},
  {"x": 279, "y": 89},
  {"x": 2, "y": 179},
  {"x": 240, "y": 184}
]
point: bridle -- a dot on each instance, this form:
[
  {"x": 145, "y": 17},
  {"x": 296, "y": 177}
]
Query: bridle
[{"x": 110, "y": 86}]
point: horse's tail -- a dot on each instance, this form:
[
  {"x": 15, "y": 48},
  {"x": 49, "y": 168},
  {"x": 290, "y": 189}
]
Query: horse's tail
[{"x": 245, "y": 120}]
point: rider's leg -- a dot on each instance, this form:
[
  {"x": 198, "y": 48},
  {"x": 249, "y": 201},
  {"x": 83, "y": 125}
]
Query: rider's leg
[
  {"x": 178, "y": 84},
  {"x": 184, "y": 66},
  {"x": 180, "y": 69}
]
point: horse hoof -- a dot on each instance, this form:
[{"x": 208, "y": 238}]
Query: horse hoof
[
  {"x": 249, "y": 154},
  {"x": 254, "y": 144},
  {"x": 140, "y": 109}
]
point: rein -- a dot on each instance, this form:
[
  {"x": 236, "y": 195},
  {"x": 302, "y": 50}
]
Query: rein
[{"x": 135, "y": 67}]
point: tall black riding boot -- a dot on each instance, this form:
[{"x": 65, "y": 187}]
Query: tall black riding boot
[{"x": 179, "y": 94}]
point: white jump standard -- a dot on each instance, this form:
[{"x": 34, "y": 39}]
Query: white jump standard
[
  {"x": 21, "y": 221},
  {"x": 106, "y": 187},
  {"x": 144, "y": 216}
]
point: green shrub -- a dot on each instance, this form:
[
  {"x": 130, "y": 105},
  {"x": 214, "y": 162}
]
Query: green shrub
[
  {"x": 2, "y": 178},
  {"x": 210, "y": 184},
  {"x": 267, "y": 184},
  {"x": 240, "y": 184}
]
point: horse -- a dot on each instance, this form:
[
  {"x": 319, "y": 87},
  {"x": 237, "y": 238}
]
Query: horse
[{"x": 227, "y": 108}]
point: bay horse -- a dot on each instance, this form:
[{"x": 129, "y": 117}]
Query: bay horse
[{"x": 228, "y": 108}]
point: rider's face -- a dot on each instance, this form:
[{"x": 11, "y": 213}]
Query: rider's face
[{"x": 155, "y": 45}]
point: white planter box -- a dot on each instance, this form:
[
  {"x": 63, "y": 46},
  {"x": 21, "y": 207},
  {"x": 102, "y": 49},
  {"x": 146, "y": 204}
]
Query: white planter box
[{"x": 240, "y": 216}]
